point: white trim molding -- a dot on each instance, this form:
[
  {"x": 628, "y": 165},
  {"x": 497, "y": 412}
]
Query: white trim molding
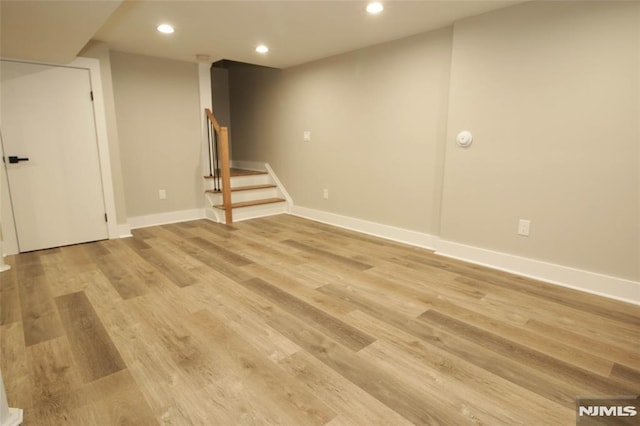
[
  {"x": 280, "y": 186},
  {"x": 93, "y": 66},
  {"x": 204, "y": 87},
  {"x": 124, "y": 230},
  {"x": 577, "y": 279},
  {"x": 388, "y": 232},
  {"x": 3, "y": 266},
  {"x": 8, "y": 416},
  {"x": 165, "y": 218}
]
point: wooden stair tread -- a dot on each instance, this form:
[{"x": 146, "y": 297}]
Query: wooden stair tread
[
  {"x": 242, "y": 172},
  {"x": 243, "y": 188},
  {"x": 252, "y": 203},
  {"x": 252, "y": 187}
]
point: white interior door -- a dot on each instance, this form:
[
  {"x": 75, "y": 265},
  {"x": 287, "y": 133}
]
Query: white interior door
[{"x": 46, "y": 115}]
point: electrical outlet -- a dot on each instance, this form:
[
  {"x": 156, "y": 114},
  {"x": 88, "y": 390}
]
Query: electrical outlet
[
  {"x": 325, "y": 194},
  {"x": 306, "y": 135},
  {"x": 523, "y": 227},
  {"x": 162, "y": 194}
]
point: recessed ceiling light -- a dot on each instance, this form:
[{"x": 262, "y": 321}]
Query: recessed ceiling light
[
  {"x": 262, "y": 49},
  {"x": 165, "y": 29},
  {"x": 375, "y": 8}
]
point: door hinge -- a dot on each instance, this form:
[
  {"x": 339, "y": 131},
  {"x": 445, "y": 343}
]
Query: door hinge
[
  {"x": 105, "y": 218},
  {"x": 91, "y": 94}
]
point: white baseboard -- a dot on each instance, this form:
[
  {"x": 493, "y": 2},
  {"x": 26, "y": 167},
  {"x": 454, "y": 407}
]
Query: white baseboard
[
  {"x": 577, "y": 279},
  {"x": 13, "y": 417},
  {"x": 123, "y": 230},
  {"x": 393, "y": 233},
  {"x": 281, "y": 187},
  {"x": 211, "y": 214},
  {"x": 165, "y": 218},
  {"x": 590, "y": 282}
]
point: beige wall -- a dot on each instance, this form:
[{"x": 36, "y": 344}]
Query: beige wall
[
  {"x": 377, "y": 118},
  {"x": 100, "y": 51},
  {"x": 550, "y": 92},
  {"x": 157, "y": 107}
]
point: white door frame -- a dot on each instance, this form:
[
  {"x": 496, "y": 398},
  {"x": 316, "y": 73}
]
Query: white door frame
[{"x": 93, "y": 66}]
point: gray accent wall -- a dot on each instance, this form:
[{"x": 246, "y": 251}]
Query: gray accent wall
[
  {"x": 377, "y": 119},
  {"x": 158, "y": 112},
  {"x": 550, "y": 92}
]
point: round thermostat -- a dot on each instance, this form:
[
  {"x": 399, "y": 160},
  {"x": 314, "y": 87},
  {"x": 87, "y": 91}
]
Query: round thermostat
[{"x": 464, "y": 138}]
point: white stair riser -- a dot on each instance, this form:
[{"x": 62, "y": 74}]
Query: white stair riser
[
  {"x": 245, "y": 213},
  {"x": 237, "y": 181},
  {"x": 251, "y": 195},
  {"x": 249, "y": 212},
  {"x": 258, "y": 194}
]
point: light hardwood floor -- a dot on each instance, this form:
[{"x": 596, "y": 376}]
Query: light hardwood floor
[{"x": 282, "y": 320}]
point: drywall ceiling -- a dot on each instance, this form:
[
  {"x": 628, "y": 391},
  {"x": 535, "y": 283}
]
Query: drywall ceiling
[
  {"x": 50, "y": 31},
  {"x": 296, "y": 31}
]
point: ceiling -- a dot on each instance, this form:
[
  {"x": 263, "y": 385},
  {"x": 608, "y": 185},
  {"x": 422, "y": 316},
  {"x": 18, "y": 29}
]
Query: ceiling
[
  {"x": 50, "y": 31},
  {"x": 296, "y": 31}
]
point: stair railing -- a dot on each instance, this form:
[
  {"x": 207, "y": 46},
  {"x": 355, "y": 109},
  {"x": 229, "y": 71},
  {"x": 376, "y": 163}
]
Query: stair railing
[{"x": 219, "y": 170}]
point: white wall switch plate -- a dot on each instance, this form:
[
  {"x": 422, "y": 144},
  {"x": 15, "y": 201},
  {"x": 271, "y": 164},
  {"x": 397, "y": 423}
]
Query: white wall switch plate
[{"x": 523, "y": 227}]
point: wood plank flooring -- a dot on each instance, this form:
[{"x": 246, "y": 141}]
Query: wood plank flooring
[{"x": 282, "y": 320}]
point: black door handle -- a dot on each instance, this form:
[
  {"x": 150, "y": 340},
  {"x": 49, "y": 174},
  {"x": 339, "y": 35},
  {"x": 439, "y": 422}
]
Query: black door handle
[{"x": 13, "y": 159}]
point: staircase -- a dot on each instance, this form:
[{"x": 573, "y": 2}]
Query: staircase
[
  {"x": 254, "y": 194},
  {"x": 234, "y": 193}
]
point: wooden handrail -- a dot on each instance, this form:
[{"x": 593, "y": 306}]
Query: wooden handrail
[
  {"x": 226, "y": 174},
  {"x": 213, "y": 120},
  {"x": 223, "y": 140}
]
